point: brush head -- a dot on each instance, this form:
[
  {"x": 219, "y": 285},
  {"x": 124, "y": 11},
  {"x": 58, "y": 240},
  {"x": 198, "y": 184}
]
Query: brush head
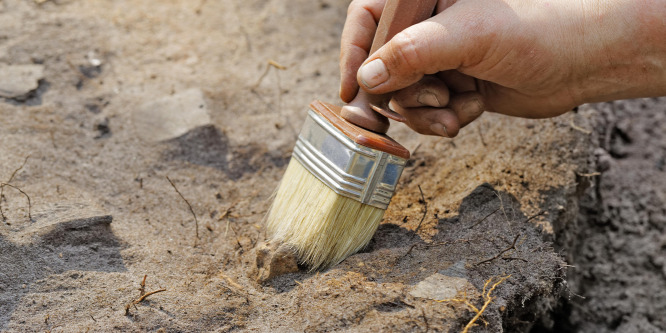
[
  {"x": 335, "y": 190},
  {"x": 323, "y": 226}
]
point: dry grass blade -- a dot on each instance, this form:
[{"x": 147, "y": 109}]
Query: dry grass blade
[
  {"x": 2, "y": 190},
  {"x": 196, "y": 221},
  {"x": 578, "y": 128}
]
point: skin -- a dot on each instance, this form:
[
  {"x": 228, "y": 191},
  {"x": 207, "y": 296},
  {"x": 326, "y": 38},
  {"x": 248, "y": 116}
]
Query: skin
[{"x": 525, "y": 58}]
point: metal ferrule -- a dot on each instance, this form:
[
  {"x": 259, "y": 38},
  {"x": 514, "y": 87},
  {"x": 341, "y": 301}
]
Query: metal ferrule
[{"x": 352, "y": 170}]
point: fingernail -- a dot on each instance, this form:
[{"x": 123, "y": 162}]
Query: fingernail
[
  {"x": 439, "y": 129},
  {"x": 373, "y": 73},
  {"x": 473, "y": 107},
  {"x": 428, "y": 99}
]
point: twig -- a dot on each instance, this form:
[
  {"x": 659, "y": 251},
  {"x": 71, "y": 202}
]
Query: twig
[
  {"x": 512, "y": 247},
  {"x": 483, "y": 219},
  {"x": 514, "y": 258},
  {"x": 535, "y": 215},
  {"x": 196, "y": 221},
  {"x": 2, "y": 185},
  {"x": 142, "y": 289},
  {"x": 148, "y": 294},
  {"x": 143, "y": 295},
  {"x": 2, "y": 189},
  {"x": 410, "y": 250},
  {"x": 425, "y": 212}
]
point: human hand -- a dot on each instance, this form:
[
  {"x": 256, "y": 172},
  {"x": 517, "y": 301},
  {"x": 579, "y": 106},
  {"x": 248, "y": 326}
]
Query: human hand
[{"x": 532, "y": 59}]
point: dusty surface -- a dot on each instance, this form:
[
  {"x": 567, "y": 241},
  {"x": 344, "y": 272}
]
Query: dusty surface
[
  {"x": 135, "y": 91},
  {"x": 620, "y": 253}
]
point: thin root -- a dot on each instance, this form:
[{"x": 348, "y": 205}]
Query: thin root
[
  {"x": 2, "y": 186},
  {"x": 488, "y": 300},
  {"x": 512, "y": 247},
  {"x": 425, "y": 212},
  {"x": 486, "y": 295},
  {"x": 2, "y": 190},
  {"x": 196, "y": 221}
]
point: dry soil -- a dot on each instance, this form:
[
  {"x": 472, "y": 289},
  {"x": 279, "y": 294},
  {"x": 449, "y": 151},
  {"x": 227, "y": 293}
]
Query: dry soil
[{"x": 122, "y": 94}]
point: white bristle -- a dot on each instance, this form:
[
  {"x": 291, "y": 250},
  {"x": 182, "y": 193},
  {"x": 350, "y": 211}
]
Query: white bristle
[{"x": 323, "y": 226}]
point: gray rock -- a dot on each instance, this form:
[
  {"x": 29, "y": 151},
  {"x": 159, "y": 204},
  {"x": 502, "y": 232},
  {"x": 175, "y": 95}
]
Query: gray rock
[
  {"x": 17, "y": 81},
  {"x": 171, "y": 116},
  {"x": 274, "y": 259},
  {"x": 446, "y": 284}
]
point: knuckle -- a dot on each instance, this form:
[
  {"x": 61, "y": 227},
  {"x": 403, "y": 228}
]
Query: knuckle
[
  {"x": 357, "y": 5},
  {"x": 418, "y": 127},
  {"x": 405, "y": 53}
]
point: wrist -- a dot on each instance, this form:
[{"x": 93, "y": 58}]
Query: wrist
[{"x": 628, "y": 54}]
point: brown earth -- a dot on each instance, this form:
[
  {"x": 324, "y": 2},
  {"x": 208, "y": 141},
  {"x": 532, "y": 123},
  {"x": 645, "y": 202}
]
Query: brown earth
[{"x": 135, "y": 91}]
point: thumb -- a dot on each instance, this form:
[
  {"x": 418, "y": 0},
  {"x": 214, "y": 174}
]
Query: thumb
[{"x": 432, "y": 46}]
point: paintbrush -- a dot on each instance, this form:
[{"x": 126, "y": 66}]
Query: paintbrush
[{"x": 344, "y": 168}]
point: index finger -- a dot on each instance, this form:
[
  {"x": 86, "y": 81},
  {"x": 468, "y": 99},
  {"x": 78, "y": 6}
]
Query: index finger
[{"x": 357, "y": 36}]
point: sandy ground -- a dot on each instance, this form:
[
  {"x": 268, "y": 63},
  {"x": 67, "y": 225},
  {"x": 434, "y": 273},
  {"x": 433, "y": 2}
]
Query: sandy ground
[
  {"x": 620, "y": 251},
  {"x": 128, "y": 93}
]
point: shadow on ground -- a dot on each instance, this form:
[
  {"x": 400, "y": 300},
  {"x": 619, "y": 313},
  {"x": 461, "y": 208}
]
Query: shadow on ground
[
  {"x": 208, "y": 146},
  {"x": 44, "y": 248},
  {"x": 490, "y": 237}
]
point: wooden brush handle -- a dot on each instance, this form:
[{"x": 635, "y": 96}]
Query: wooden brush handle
[
  {"x": 370, "y": 111},
  {"x": 399, "y": 15},
  {"x": 358, "y": 134}
]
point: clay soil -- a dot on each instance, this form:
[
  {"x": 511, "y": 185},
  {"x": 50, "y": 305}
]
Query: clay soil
[{"x": 565, "y": 216}]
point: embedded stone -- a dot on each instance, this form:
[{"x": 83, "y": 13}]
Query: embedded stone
[{"x": 18, "y": 81}]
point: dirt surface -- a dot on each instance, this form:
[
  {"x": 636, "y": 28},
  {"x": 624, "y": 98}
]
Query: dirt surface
[
  {"x": 132, "y": 92},
  {"x": 619, "y": 252}
]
